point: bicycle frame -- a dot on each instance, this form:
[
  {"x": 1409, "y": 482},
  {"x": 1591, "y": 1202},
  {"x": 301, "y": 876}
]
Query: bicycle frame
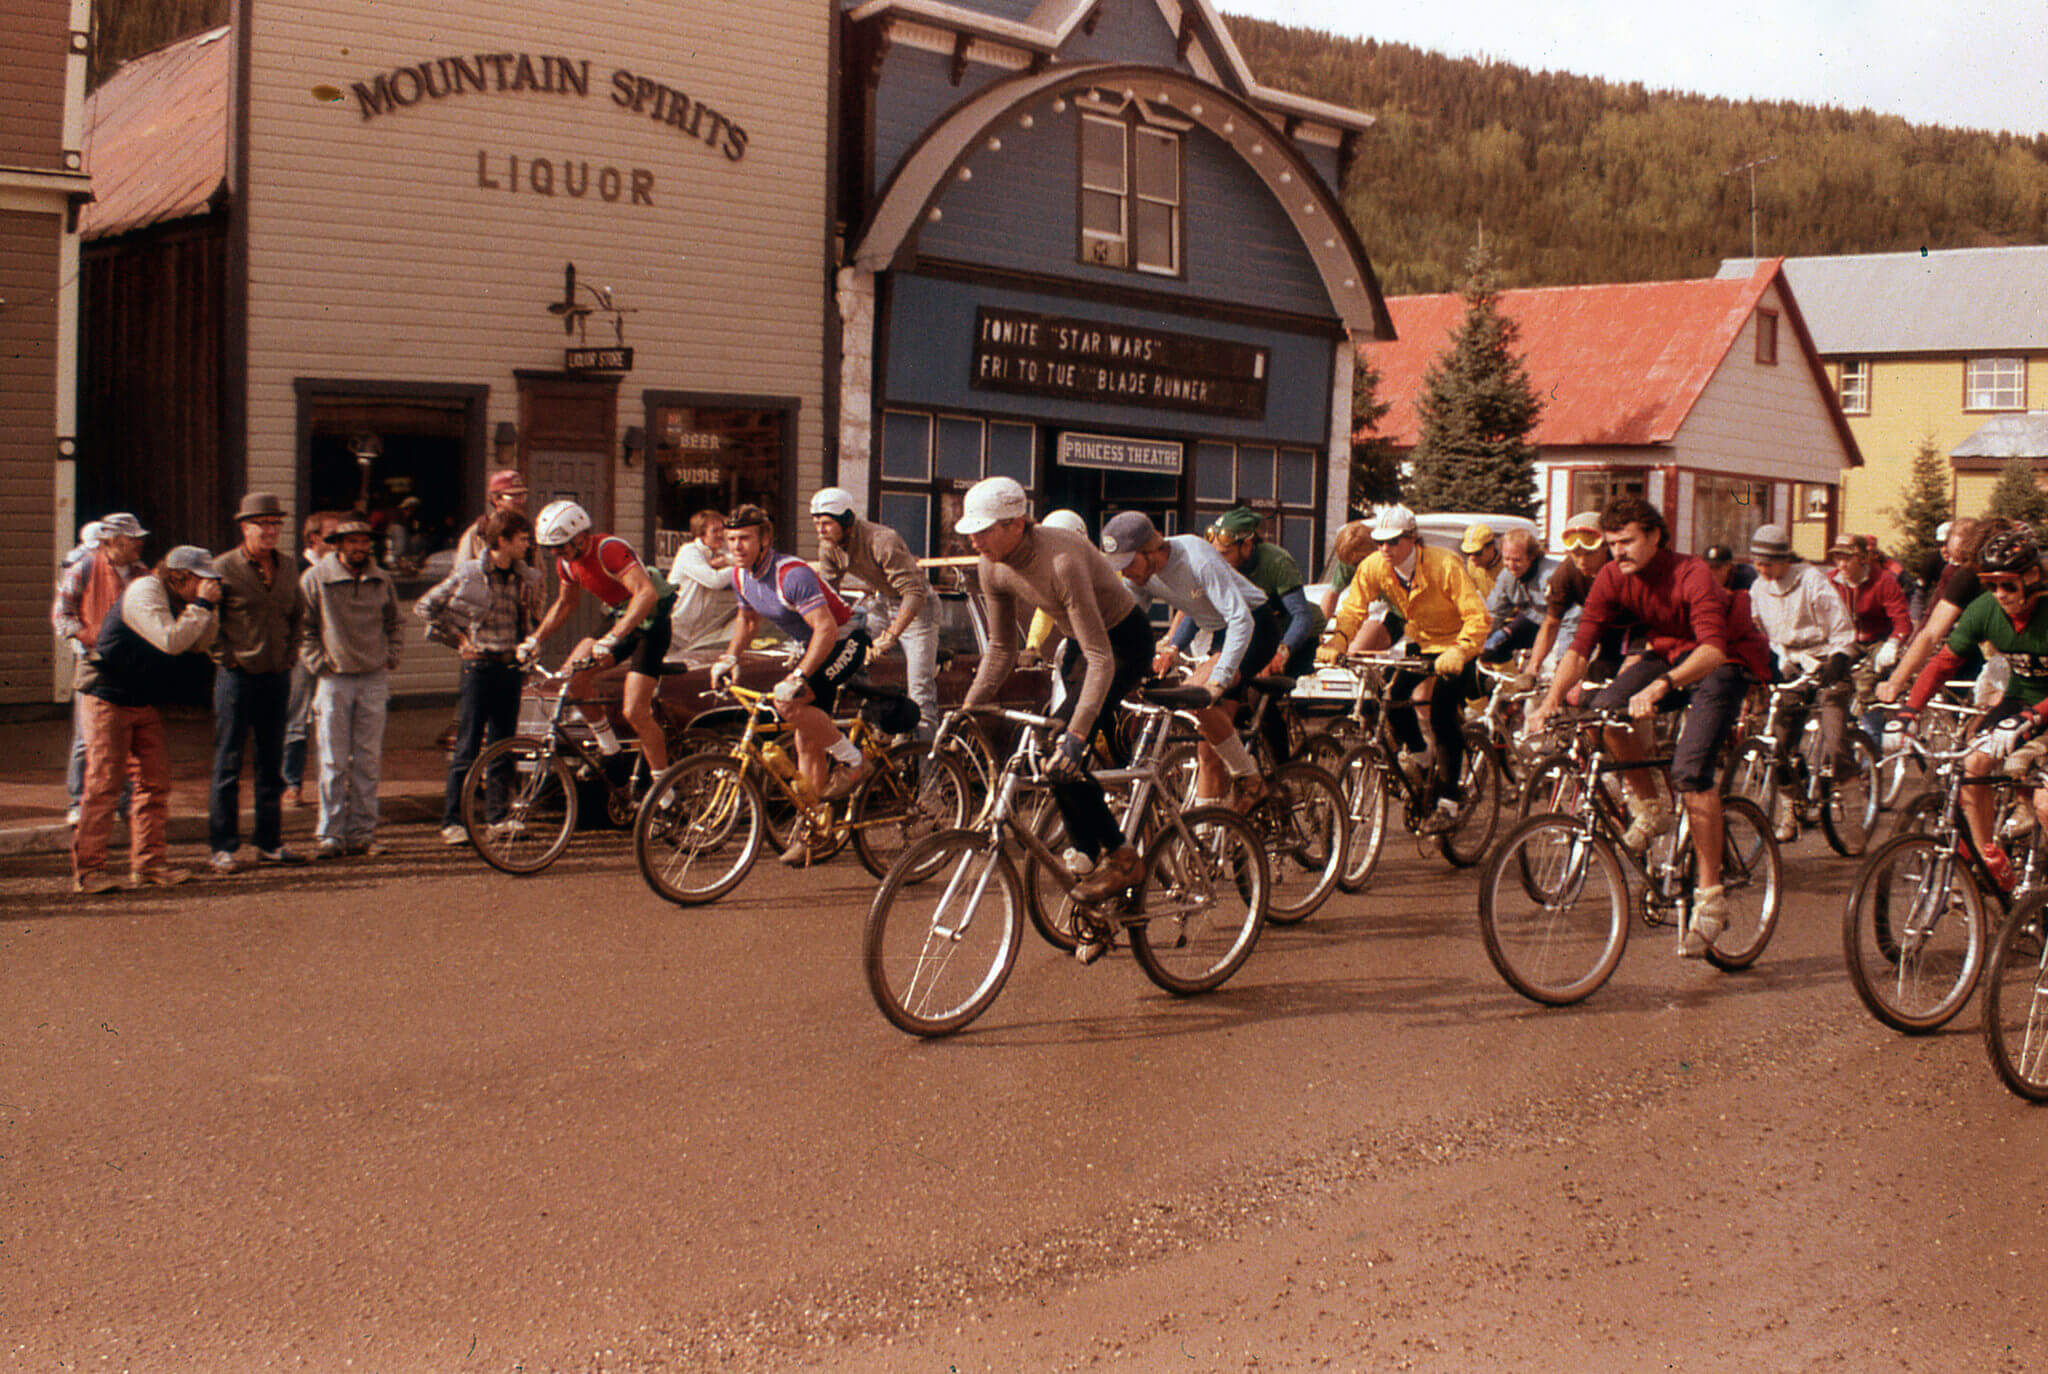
[{"x": 747, "y": 751}]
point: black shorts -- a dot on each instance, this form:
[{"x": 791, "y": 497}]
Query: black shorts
[
  {"x": 643, "y": 648},
  {"x": 848, "y": 657}
]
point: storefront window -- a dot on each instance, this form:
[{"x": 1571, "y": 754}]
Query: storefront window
[
  {"x": 1278, "y": 483},
  {"x": 399, "y": 460},
  {"x": 715, "y": 458},
  {"x": 929, "y": 461}
]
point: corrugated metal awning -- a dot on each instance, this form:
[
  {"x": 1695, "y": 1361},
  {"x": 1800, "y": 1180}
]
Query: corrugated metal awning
[{"x": 157, "y": 136}]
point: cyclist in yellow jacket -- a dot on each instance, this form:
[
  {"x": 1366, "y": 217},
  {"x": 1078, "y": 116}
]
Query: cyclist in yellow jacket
[{"x": 1446, "y": 623}]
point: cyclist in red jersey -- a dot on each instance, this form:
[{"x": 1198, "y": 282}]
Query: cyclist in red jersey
[{"x": 639, "y": 599}]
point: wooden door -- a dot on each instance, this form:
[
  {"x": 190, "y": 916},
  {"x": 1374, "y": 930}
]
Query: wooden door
[{"x": 567, "y": 431}]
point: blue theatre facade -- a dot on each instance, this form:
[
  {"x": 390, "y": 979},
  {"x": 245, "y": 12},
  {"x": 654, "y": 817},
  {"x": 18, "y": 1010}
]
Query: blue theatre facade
[{"x": 1084, "y": 248}]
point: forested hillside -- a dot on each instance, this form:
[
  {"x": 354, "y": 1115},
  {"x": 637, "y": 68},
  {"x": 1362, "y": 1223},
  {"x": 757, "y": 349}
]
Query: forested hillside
[{"x": 1579, "y": 180}]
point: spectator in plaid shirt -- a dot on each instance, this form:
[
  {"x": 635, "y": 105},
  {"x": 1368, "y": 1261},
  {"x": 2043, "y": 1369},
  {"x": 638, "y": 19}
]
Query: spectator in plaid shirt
[
  {"x": 483, "y": 609},
  {"x": 87, "y": 588}
]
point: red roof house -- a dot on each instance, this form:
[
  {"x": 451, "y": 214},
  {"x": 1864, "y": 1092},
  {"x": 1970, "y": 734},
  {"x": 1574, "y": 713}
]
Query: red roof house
[{"x": 1706, "y": 396}]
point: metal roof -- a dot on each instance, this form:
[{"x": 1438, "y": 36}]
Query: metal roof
[
  {"x": 1956, "y": 300},
  {"x": 157, "y": 136},
  {"x": 1616, "y": 366},
  {"x": 2008, "y": 436}
]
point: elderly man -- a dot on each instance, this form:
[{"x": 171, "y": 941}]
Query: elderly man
[
  {"x": 352, "y": 643},
  {"x": 1517, "y": 604},
  {"x": 261, "y": 609},
  {"x": 91, "y": 585},
  {"x": 900, "y": 609},
  {"x": 129, "y": 673}
]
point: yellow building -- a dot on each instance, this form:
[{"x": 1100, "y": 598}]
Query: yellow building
[{"x": 1922, "y": 348}]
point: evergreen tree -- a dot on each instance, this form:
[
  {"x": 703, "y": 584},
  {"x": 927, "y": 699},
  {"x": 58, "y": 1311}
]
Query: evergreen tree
[
  {"x": 1925, "y": 509},
  {"x": 1477, "y": 409},
  {"x": 2018, "y": 495},
  {"x": 1375, "y": 465}
]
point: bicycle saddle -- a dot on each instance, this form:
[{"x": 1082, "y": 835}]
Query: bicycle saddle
[{"x": 1177, "y": 698}]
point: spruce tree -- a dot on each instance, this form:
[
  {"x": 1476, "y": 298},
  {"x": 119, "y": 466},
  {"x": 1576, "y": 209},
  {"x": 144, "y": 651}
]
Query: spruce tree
[
  {"x": 1925, "y": 509},
  {"x": 1375, "y": 464},
  {"x": 2018, "y": 495},
  {"x": 1477, "y": 409}
]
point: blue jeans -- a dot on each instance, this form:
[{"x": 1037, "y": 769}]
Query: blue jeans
[
  {"x": 487, "y": 710},
  {"x": 297, "y": 714},
  {"x": 920, "y": 649},
  {"x": 245, "y": 704},
  {"x": 349, "y": 711}
]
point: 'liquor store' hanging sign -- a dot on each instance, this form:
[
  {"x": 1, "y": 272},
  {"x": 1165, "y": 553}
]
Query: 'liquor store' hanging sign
[{"x": 1086, "y": 360}]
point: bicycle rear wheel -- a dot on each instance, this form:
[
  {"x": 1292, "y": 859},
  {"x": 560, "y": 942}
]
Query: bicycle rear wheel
[
  {"x": 1913, "y": 934},
  {"x": 700, "y": 830},
  {"x": 1480, "y": 784},
  {"x": 1203, "y": 902},
  {"x": 919, "y": 793},
  {"x": 2016, "y": 1002},
  {"x": 1301, "y": 819},
  {"x": 1848, "y": 816},
  {"x": 1751, "y": 884},
  {"x": 1553, "y": 908},
  {"x": 938, "y": 951},
  {"x": 1366, "y": 813},
  {"x": 519, "y": 805}
]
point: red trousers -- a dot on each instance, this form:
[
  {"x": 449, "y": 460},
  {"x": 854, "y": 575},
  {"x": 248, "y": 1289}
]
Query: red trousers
[{"x": 122, "y": 742}]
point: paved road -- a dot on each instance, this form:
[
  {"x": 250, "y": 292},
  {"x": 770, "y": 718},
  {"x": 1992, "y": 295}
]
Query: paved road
[{"x": 406, "y": 1115}]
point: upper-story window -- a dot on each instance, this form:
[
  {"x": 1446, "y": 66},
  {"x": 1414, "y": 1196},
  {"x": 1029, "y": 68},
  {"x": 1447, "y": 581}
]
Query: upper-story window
[
  {"x": 1853, "y": 389},
  {"x": 1767, "y": 337},
  {"x": 1995, "y": 384},
  {"x": 1131, "y": 186}
]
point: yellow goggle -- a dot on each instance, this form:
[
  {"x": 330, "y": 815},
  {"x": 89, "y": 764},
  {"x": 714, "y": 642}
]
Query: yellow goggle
[{"x": 1582, "y": 539}]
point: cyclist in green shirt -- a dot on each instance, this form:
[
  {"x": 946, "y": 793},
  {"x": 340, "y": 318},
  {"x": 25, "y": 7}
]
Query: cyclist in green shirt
[{"x": 1273, "y": 571}]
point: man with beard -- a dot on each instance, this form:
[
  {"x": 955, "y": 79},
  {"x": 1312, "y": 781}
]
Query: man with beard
[{"x": 352, "y": 643}]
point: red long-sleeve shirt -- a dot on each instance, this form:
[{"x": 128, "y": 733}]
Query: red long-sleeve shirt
[
  {"x": 1878, "y": 606},
  {"x": 1676, "y": 601}
]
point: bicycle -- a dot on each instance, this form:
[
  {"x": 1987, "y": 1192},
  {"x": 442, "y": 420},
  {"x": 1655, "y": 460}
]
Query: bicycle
[
  {"x": 943, "y": 932},
  {"x": 1372, "y": 778},
  {"x": 1554, "y": 903},
  {"x": 2016, "y": 1000},
  {"x": 702, "y": 825},
  {"x": 520, "y": 797},
  {"x": 1942, "y": 729},
  {"x": 1766, "y": 772},
  {"x": 1915, "y": 927}
]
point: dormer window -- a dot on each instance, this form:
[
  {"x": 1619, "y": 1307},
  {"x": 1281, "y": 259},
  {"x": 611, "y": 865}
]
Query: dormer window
[{"x": 1131, "y": 185}]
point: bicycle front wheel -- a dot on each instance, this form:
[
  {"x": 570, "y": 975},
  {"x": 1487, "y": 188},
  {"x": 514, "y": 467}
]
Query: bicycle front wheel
[
  {"x": 1203, "y": 902},
  {"x": 1913, "y": 934},
  {"x": 1553, "y": 908},
  {"x": 1302, "y": 820},
  {"x": 938, "y": 951},
  {"x": 919, "y": 793},
  {"x": 1480, "y": 784},
  {"x": 1848, "y": 816},
  {"x": 2016, "y": 1002},
  {"x": 699, "y": 830},
  {"x": 1366, "y": 811},
  {"x": 519, "y": 805}
]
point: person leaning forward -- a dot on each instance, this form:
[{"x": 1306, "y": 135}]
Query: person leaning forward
[
  {"x": 261, "y": 612},
  {"x": 167, "y": 612}
]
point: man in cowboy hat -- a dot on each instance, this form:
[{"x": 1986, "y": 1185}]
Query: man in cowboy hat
[{"x": 261, "y": 609}]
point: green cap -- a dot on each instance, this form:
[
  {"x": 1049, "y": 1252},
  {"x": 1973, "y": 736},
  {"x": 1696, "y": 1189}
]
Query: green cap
[{"x": 1242, "y": 523}]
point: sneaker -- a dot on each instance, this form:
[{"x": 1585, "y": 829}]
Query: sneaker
[
  {"x": 224, "y": 862},
  {"x": 1787, "y": 827},
  {"x": 1111, "y": 876},
  {"x": 365, "y": 849},
  {"x": 161, "y": 876},
  {"x": 280, "y": 855},
  {"x": 845, "y": 777},
  {"x": 798, "y": 855},
  {"x": 1443, "y": 820},
  {"x": 454, "y": 834},
  {"x": 94, "y": 882},
  {"x": 507, "y": 830},
  {"x": 71, "y": 817},
  {"x": 1651, "y": 819},
  {"x": 1092, "y": 942},
  {"x": 1709, "y": 919},
  {"x": 329, "y": 849}
]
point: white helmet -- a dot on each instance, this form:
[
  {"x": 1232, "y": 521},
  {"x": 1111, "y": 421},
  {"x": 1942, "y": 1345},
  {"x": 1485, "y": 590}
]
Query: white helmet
[
  {"x": 1391, "y": 522},
  {"x": 832, "y": 501},
  {"x": 1066, "y": 520},
  {"x": 559, "y": 522},
  {"x": 989, "y": 500}
]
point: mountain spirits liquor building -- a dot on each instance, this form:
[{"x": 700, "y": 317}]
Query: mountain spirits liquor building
[
  {"x": 1087, "y": 250},
  {"x": 589, "y": 243}
]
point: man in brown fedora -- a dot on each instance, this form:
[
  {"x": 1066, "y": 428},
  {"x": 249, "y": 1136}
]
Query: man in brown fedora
[{"x": 261, "y": 611}]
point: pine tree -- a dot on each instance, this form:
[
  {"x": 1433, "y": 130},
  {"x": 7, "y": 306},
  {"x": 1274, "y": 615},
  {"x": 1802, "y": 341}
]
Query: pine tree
[
  {"x": 1926, "y": 507},
  {"x": 2018, "y": 495},
  {"x": 1477, "y": 409},
  {"x": 1375, "y": 465}
]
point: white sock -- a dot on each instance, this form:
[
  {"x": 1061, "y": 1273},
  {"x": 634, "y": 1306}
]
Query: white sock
[
  {"x": 1236, "y": 757},
  {"x": 846, "y": 751},
  {"x": 607, "y": 742}
]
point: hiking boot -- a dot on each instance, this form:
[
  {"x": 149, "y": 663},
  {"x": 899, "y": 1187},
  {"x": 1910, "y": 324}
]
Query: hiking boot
[
  {"x": 454, "y": 834},
  {"x": 1650, "y": 819},
  {"x": 161, "y": 876},
  {"x": 93, "y": 882},
  {"x": 1709, "y": 919},
  {"x": 844, "y": 779},
  {"x": 1112, "y": 875}
]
